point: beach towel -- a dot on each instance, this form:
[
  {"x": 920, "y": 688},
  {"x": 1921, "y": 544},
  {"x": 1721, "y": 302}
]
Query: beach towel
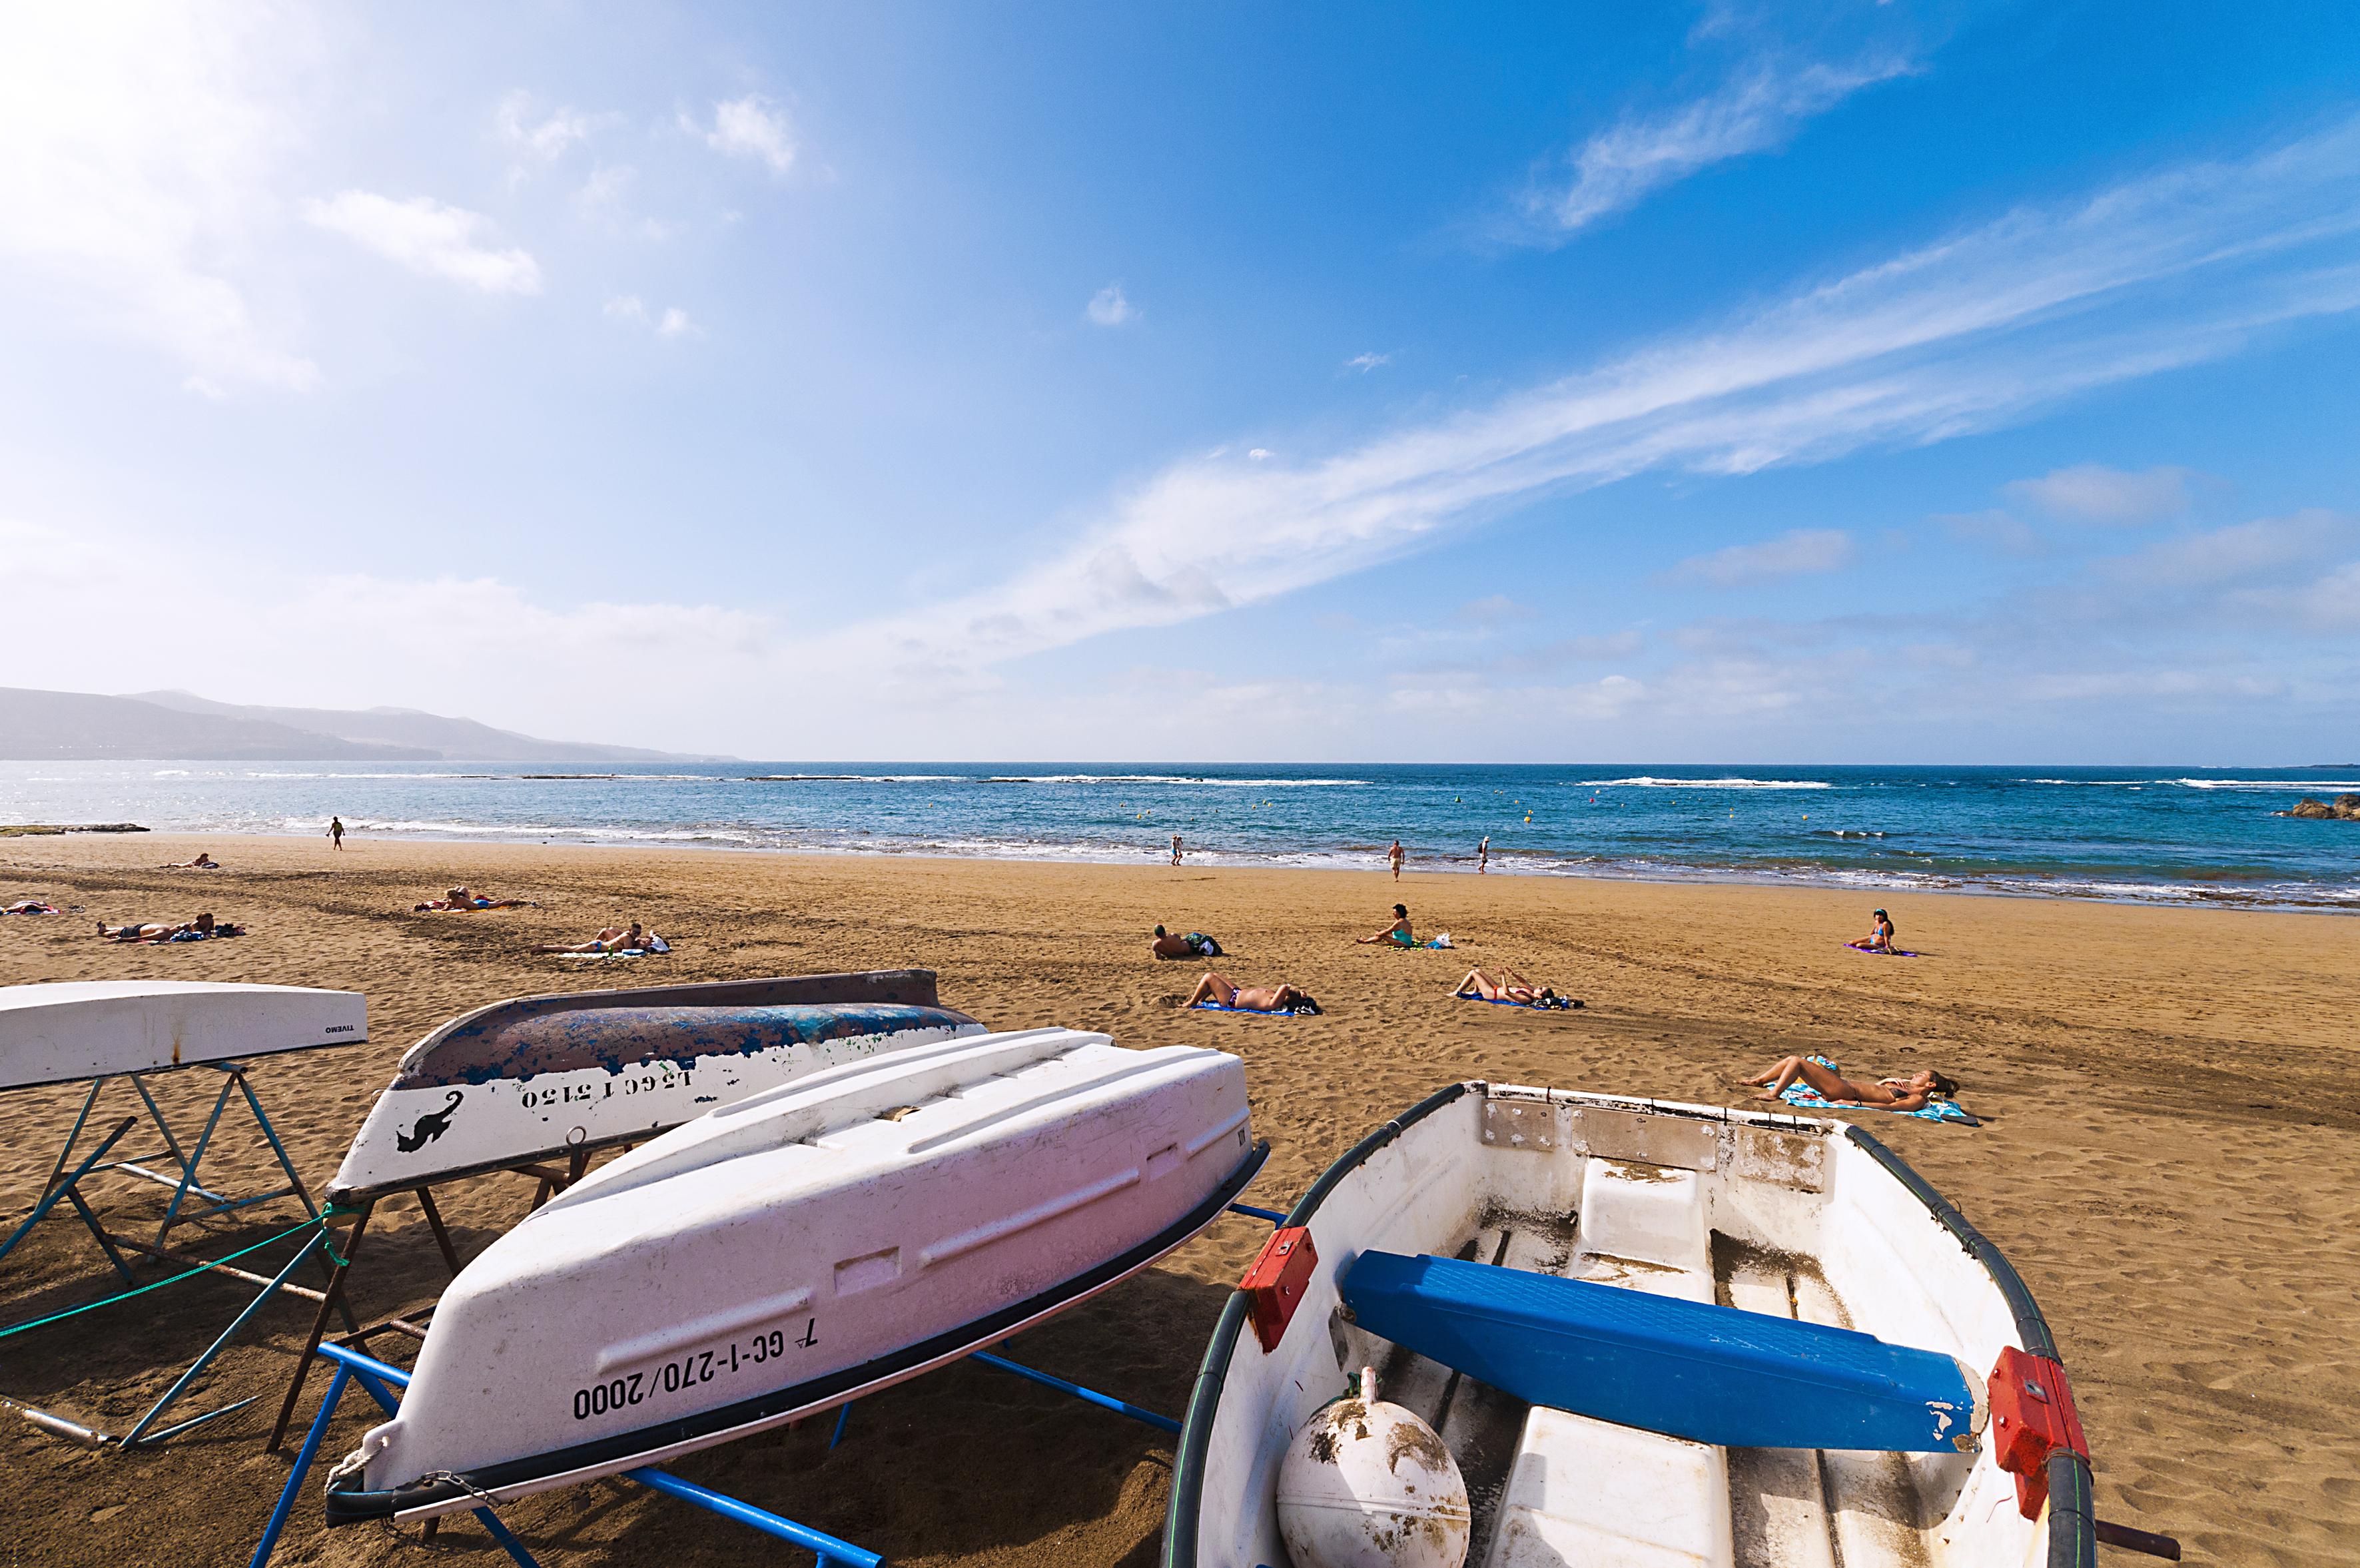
[
  {"x": 1567, "y": 1002},
  {"x": 1440, "y": 939},
  {"x": 1225, "y": 1007},
  {"x": 32, "y": 907},
  {"x": 1881, "y": 952},
  {"x": 1804, "y": 1097}
]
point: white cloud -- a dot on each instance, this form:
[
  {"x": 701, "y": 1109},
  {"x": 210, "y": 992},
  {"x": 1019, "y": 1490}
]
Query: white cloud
[
  {"x": 1107, "y": 307},
  {"x": 545, "y": 139},
  {"x": 673, "y": 323},
  {"x": 2234, "y": 554},
  {"x": 628, "y": 308},
  {"x": 1259, "y": 454},
  {"x": 752, "y": 126},
  {"x": 2092, "y": 493},
  {"x": 1495, "y": 610},
  {"x": 1615, "y": 169},
  {"x": 1365, "y": 363},
  {"x": 427, "y": 237},
  {"x": 1958, "y": 336},
  {"x": 1790, "y": 554},
  {"x": 138, "y": 145}
]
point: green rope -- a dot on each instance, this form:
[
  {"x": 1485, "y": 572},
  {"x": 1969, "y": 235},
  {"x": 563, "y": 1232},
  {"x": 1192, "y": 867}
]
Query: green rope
[
  {"x": 172, "y": 1280},
  {"x": 335, "y": 1211}
]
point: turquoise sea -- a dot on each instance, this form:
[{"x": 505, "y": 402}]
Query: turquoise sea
[{"x": 2152, "y": 834}]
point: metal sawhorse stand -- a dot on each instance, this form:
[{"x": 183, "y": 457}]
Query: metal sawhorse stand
[{"x": 65, "y": 1185}]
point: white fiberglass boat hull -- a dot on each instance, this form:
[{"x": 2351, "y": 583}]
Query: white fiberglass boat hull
[
  {"x": 95, "y": 1028},
  {"x": 790, "y": 1252},
  {"x": 536, "y": 1077},
  {"x": 1803, "y": 1220}
]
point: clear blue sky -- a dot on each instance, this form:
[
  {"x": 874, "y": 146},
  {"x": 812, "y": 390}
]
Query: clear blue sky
[{"x": 1857, "y": 382}]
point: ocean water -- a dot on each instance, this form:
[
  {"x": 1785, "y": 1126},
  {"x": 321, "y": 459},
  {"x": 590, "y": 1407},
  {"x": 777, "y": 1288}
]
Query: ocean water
[{"x": 2191, "y": 836}]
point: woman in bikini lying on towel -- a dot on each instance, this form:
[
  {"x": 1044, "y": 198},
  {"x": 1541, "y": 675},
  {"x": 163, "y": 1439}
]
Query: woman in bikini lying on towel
[
  {"x": 203, "y": 862},
  {"x": 1251, "y": 999},
  {"x": 158, "y": 930},
  {"x": 614, "y": 939},
  {"x": 1504, "y": 984},
  {"x": 468, "y": 898},
  {"x": 1909, "y": 1094}
]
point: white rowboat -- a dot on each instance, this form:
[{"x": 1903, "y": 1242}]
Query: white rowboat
[
  {"x": 97, "y": 1028},
  {"x": 1642, "y": 1270},
  {"x": 793, "y": 1251},
  {"x": 538, "y": 1076}
]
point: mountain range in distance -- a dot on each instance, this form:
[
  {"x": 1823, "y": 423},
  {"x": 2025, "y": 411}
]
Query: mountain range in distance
[{"x": 179, "y": 726}]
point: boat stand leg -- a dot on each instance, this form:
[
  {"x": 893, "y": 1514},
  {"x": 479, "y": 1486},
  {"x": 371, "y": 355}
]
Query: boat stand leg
[
  {"x": 49, "y": 1199},
  {"x": 1087, "y": 1396},
  {"x": 335, "y": 1292},
  {"x": 442, "y": 1234},
  {"x": 106, "y": 1244},
  {"x": 155, "y": 1114},
  {"x": 843, "y": 1415},
  {"x": 830, "y": 1550},
  {"x": 74, "y": 1134},
  {"x": 295, "y": 1182},
  {"x": 303, "y": 1457},
  {"x": 131, "y": 1439},
  {"x": 1273, "y": 1215},
  {"x": 188, "y": 1164}
]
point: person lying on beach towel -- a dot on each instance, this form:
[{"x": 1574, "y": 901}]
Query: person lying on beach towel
[
  {"x": 31, "y": 907},
  {"x": 633, "y": 938},
  {"x": 198, "y": 929},
  {"x": 1195, "y": 945},
  {"x": 1215, "y": 991},
  {"x": 1880, "y": 936},
  {"x": 203, "y": 862},
  {"x": 1504, "y": 984},
  {"x": 468, "y": 898},
  {"x": 1910, "y": 1093}
]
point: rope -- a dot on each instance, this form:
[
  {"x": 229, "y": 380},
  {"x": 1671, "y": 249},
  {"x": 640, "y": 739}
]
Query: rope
[
  {"x": 333, "y": 1212},
  {"x": 157, "y": 1285}
]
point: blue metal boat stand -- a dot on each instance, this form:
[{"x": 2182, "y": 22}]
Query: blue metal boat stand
[
  {"x": 187, "y": 1160},
  {"x": 379, "y": 1378}
]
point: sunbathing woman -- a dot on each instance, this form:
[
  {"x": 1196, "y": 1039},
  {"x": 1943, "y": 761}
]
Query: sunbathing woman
[
  {"x": 158, "y": 930},
  {"x": 203, "y": 862},
  {"x": 1251, "y": 999},
  {"x": 1909, "y": 1094},
  {"x": 1879, "y": 938},
  {"x": 468, "y": 898},
  {"x": 31, "y": 907},
  {"x": 1504, "y": 984},
  {"x": 614, "y": 939},
  {"x": 1397, "y": 933}
]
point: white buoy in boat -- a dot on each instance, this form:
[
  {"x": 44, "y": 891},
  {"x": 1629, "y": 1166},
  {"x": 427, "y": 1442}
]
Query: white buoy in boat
[{"x": 1368, "y": 1485}]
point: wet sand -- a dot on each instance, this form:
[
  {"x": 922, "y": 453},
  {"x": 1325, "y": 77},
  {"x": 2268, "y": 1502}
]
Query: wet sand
[{"x": 2168, "y": 1156}]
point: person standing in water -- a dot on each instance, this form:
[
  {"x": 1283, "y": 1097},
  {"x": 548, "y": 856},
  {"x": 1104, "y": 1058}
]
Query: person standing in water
[
  {"x": 1483, "y": 856},
  {"x": 337, "y": 831},
  {"x": 1176, "y": 849},
  {"x": 1393, "y": 857}
]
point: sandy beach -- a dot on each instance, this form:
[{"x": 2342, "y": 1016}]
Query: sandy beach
[{"x": 2166, "y": 1155}]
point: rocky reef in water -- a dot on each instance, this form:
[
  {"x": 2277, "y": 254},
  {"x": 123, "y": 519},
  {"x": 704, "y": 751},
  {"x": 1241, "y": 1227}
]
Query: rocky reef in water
[{"x": 2343, "y": 809}]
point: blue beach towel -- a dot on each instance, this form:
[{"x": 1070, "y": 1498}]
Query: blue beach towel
[
  {"x": 1259, "y": 1012},
  {"x": 1883, "y": 952},
  {"x": 1562, "y": 1002},
  {"x": 1804, "y": 1097}
]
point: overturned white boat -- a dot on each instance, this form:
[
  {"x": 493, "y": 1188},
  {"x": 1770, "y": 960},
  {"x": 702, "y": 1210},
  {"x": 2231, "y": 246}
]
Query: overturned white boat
[
  {"x": 538, "y": 1076},
  {"x": 97, "y": 1028},
  {"x": 794, "y": 1250},
  {"x": 1650, "y": 1335}
]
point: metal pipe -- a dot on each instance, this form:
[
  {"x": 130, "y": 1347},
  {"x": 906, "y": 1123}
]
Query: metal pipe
[
  {"x": 1273, "y": 1215},
  {"x": 829, "y": 1548},
  {"x": 182, "y": 1382},
  {"x": 303, "y": 1456},
  {"x": 1088, "y": 1396},
  {"x": 56, "y": 1423},
  {"x": 2130, "y": 1539}
]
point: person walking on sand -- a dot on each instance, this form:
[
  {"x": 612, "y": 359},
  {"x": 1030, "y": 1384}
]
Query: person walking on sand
[
  {"x": 337, "y": 831},
  {"x": 1176, "y": 849},
  {"x": 1393, "y": 857},
  {"x": 1483, "y": 856}
]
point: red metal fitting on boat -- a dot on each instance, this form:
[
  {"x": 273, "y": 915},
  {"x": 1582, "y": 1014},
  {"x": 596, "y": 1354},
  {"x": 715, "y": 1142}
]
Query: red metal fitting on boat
[
  {"x": 2032, "y": 1416},
  {"x": 1276, "y": 1281}
]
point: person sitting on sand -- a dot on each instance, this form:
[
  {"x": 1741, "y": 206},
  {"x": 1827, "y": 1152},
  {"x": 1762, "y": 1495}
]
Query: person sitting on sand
[
  {"x": 203, "y": 862},
  {"x": 1195, "y": 945},
  {"x": 1504, "y": 984},
  {"x": 1909, "y": 1094},
  {"x": 1251, "y": 999},
  {"x": 203, "y": 926},
  {"x": 1397, "y": 933},
  {"x": 468, "y": 898},
  {"x": 1880, "y": 936},
  {"x": 615, "y": 938}
]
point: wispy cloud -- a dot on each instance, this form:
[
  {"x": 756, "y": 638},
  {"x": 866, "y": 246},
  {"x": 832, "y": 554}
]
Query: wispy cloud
[
  {"x": 428, "y": 237},
  {"x": 140, "y": 148},
  {"x": 1791, "y": 554},
  {"x": 1109, "y": 308},
  {"x": 1616, "y": 169},
  {"x": 672, "y": 322},
  {"x": 544, "y": 138},
  {"x": 751, "y": 127},
  {"x": 2092, "y": 493},
  {"x": 1961, "y": 335},
  {"x": 1365, "y": 363}
]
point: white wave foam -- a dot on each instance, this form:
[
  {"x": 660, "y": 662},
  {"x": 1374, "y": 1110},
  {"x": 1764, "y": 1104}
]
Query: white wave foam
[
  {"x": 1645, "y": 782},
  {"x": 2304, "y": 784},
  {"x": 1172, "y": 778}
]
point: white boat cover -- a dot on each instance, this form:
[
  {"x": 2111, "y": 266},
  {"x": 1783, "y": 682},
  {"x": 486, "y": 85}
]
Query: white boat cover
[
  {"x": 788, "y": 1252},
  {"x": 91, "y": 1029}
]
